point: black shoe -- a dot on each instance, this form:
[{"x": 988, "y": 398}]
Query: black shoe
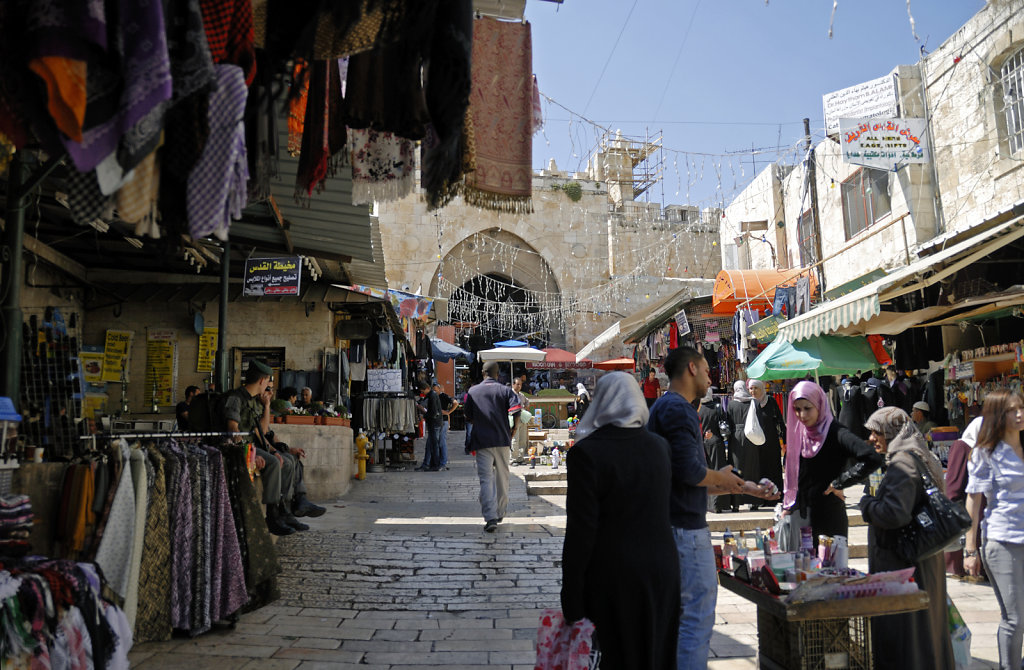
[
  {"x": 491, "y": 526},
  {"x": 285, "y": 517},
  {"x": 421, "y": 468},
  {"x": 302, "y": 507},
  {"x": 278, "y": 527}
]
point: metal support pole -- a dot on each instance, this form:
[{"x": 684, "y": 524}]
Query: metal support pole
[
  {"x": 812, "y": 175},
  {"x": 221, "y": 365},
  {"x": 14, "y": 232}
]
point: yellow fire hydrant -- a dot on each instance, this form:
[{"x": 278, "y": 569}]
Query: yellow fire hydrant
[{"x": 361, "y": 455}]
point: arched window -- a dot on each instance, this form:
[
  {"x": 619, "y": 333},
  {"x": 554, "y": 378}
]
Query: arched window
[{"x": 1011, "y": 76}]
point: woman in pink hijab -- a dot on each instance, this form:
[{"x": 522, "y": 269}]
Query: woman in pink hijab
[{"x": 818, "y": 449}]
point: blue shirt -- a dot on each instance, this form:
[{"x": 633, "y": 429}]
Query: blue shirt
[
  {"x": 677, "y": 421},
  {"x": 999, "y": 474},
  {"x": 489, "y": 404}
]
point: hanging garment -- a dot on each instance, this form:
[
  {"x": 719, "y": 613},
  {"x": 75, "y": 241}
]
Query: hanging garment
[
  {"x": 137, "y": 201},
  {"x": 323, "y": 132},
  {"x": 137, "y": 468},
  {"x": 261, "y": 132},
  {"x": 229, "y": 33},
  {"x": 227, "y": 574},
  {"x": 217, "y": 185},
  {"x": 784, "y": 303},
  {"x": 383, "y": 166},
  {"x": 501, "y": 108},
  {"x": 803, "y": 296},
  {"x": 153, "y": 618}
]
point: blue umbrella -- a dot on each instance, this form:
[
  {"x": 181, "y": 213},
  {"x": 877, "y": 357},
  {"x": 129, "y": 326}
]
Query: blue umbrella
[
  {"x": 443, "y": 351},
  {"x": 512, "y": 343}
]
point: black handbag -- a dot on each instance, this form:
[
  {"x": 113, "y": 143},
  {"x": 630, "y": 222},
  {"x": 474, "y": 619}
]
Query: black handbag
[{"x": 936, "y": 522}]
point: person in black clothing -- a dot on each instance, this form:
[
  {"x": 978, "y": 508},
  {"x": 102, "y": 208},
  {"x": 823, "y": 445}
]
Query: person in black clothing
[
  {"x": 817, "y": 451},
  {"x": 429, "y": 407},
  {"x": 770, "y": 417},
  {"x": 448, "y": 405},
  {"x": 716, "y": 426},
  {"x": 619, "y": 563},
  {"x": 181, "y": 411}
]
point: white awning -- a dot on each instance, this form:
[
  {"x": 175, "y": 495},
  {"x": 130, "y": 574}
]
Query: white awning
[
  {"x": 505, "y": 354},
  {"x": 601, "y": 340},
  {"x": 865, "y": 303}
]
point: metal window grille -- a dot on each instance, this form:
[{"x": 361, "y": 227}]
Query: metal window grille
[
  {"x": 1012, "y": 79},
  {"x": 51, "y": 381}
]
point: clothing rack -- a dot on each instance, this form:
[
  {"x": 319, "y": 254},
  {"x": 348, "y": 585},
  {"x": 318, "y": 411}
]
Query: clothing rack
[{"x": 164, "y": 434}]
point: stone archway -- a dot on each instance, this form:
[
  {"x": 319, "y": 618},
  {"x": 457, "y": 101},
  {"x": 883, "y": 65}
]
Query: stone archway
[{"x": 496, "y": 279}]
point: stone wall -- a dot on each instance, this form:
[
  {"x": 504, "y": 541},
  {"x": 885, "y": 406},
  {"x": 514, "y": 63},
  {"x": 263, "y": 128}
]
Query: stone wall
[{"x": 329, "y": 462}]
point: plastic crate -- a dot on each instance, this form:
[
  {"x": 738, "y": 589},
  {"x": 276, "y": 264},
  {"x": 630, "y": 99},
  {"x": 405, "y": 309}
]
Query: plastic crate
[{"x": 818, "y": 644}]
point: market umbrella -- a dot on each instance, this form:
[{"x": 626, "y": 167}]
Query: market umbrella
[
  {"x": 508, "y": 354},
  {"x": 512, "y": 343},
  {"x": 560, "y": 359},
  {"x": 823, "y": 355},
  {"x": 625, "y": 364},
  {"x": 443, "y": 352}
]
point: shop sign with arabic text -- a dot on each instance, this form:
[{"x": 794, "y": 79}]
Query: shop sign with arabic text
[{"x": 883, "y": 143}]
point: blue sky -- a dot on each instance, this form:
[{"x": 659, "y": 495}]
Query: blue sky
[{"x": 745, "y": 74}]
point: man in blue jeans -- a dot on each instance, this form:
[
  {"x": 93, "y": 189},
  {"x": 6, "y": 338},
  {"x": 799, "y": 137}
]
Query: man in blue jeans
[
  {"x": 674, "y": 417},
  {"x": 489, "y": 405},
  {"x": 429, "y": 407}
]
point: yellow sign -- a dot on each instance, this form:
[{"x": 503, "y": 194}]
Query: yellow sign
[
  {"x": 94, "y": 405},
  {"x": 92, "y": 366},
  {"x": 160, "y": 356},
  {"x": 207, "y": 350},
  {"x": 115, "y": 354}
]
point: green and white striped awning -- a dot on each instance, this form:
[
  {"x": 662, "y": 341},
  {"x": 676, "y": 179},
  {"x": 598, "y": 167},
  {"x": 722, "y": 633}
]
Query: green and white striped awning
[{"x": 865, "y": 303}]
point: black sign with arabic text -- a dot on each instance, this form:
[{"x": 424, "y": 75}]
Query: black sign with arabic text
[{"x": 272, "y": 276}]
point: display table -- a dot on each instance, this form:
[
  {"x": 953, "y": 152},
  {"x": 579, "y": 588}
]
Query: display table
[{"x": 820, "y": 634}]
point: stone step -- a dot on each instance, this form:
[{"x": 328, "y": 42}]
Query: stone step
[
  {"x": 547, "y": 488},
  {"x": 546, "y": 475}
]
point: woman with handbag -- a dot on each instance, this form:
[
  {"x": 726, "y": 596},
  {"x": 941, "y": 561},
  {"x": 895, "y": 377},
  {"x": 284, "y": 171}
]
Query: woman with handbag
[
  {"x": 996, "y": 470},
  {"x": 916, "y": 639},
  {"x": 748, "y": 438},
  {"x": 620, "y": 566},
  {"x": 769, "y": 416},
  {"x": 822, "y": 458}
]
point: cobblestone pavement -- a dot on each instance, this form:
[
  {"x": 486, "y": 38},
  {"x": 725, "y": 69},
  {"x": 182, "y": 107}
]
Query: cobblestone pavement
[{"x": 400, "y": 575}]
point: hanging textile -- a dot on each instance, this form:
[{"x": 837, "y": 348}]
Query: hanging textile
[
  {"x": 501, "y": 107},
  {"x": 383, "y": 166},
  {"x": 115, "y": 548},
  {"x": 153, "y": 619},
  {"x": 323, "y": 130},
  {"x": 298, "y": 95},
  {"x": 448, "y": 85},
  {"x": 229, "y": 33},
  {"x": 261, "y": 131},
  {"x": 217, "y": 184},
  {"x": 137, "y": 201}
]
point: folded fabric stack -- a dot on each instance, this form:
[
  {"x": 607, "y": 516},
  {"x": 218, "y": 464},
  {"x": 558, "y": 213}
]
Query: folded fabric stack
[{"x": 15, "y": 525}]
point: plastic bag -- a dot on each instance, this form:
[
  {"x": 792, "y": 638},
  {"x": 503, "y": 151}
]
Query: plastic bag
[
  {"x": 564, "y": 646},
  {"x": 960, "y": 635},
  {"x": 752, "y": 427}
]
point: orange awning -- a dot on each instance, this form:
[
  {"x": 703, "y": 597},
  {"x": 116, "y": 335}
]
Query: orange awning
[
  {"x": 625, "y": 364},
  {"x": 733, "y": 288}
]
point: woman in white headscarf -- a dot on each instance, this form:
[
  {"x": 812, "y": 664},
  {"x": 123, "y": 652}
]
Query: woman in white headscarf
[
  {"x": 619, "y": 560},
  {"x": 756, "y": 460},
  {"x": 582, "y": 400}
]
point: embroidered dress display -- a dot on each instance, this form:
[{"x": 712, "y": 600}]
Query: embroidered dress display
[{"x": 383, "y": 166}]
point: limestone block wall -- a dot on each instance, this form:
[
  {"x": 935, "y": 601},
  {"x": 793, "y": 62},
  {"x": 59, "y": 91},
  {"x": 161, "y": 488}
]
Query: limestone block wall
[
  {"x": 328, "y": 465},
  {"x": 978, "y": 176}
]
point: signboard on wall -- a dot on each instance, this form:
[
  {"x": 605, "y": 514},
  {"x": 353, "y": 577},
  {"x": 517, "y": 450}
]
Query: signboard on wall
[
  {"x": 207, "y": 350},
  {"x": 884, "y": 143},
  {"x": 384, "y": 380},
  {"x": 161, "y": 367},
  {"x": 866, "y": 100},
  {"x": 116, "y": 346},
  {"x": 272, "y": 276},
  {"x": 682, "y": 324}
]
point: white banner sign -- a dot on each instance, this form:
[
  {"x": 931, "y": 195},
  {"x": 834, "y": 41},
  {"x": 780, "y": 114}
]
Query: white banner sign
[
  {"x": 868, "y": 100},
  {"x": 883, "y": 143}
]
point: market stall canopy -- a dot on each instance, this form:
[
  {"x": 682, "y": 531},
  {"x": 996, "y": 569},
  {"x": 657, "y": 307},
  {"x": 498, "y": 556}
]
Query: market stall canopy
[
  {"x": 624, "y": 364},
  {"x": 753, "y": 288},
  {"x": 863, "y": 305},
  {"x": 560, "y": 359},
  {"x": 606, "y": 337},
  {"x": 648, "y": 319},
  {"x": 506, "y": 354},
  {"x": 512, "y": 343},
  {"x": 443, "y": 352},
  {"x": 826, "y": 355}
]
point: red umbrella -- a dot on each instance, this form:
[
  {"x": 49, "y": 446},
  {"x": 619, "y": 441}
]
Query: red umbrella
[{"x": 625, "y": 364}]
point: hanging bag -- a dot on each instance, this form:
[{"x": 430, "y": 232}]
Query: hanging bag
[
  {"x": 565, "y": 646},
  {"x": 936, "y": 521},
  {"x": 752, "y": 427}
]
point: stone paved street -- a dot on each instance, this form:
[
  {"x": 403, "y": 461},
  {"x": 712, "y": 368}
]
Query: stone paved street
[{"x": 399, "y": 575}]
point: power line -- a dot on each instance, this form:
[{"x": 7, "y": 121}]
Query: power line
[
  {"x": 610, "y": 54},
  {"x": 679, "y": 53}
]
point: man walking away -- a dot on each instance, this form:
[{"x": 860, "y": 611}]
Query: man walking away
[
  {"x": 429, "y": 407},
  {"x": 673, "y": 417},
  {"x": 489, "y": 405}
]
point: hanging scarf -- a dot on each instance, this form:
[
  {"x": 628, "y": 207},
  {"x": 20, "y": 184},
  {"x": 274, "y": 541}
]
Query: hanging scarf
[
  {"x": 448, "y": 85},
  {"x": 229, "y": 33},
  {"x": 323, "y": 132},
  {"x": 217, "y": 185},
  {"x": 297, "y": 98},
  {"x": 383, "y": 166},
  {"x": 501, "y": 104},
  {"x": 261, "y": 132},
  {"x": 802, "y": 441},
  {"x": 137, "y": 200}
]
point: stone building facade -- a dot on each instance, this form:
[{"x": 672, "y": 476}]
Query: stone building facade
[
  {"x": 973, "y": 97},
  {"x": 576, "y": 266}
]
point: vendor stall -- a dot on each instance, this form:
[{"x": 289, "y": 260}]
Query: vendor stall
[
  {"x": 818, "y": 634},
  {"x": 825, "y": 355}
]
